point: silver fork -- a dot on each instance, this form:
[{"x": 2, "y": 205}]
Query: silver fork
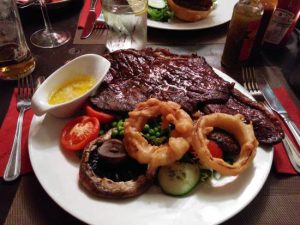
[
  {"x": 98, "y": 30},
  {"x": 249, "y": 82},
  {"x": 25, "y": 91},
  {"x": 99, "y": 27}
]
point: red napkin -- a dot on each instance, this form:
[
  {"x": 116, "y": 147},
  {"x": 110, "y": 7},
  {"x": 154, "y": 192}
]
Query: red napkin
[
  {"x": 85, "y": 10},
  {"x": 7, "y": 133},
  {"x": 281, "y": 161}
]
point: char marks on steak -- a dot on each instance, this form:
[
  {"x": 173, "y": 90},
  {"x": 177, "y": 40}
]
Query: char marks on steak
[
  {"x": 136, "y": 76},
  {"x": 188, "y": 80}
]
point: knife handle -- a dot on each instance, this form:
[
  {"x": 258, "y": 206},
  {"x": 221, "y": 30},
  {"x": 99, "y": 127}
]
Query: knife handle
[
  {"x": 293, "y": 128},
  {"x": 292, "y": 153}
]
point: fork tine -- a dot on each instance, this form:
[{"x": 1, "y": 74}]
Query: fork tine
[
  {"x": 22, "y": 88},
  {"x": 19, "y": 89},
  {"x": 31, "y": 86},
  {"x": 255, "y": 85},
  {"x": 252, "y": 78},
  {"x": 245, "y": 78},
  {"x": 27, "y": 88}
]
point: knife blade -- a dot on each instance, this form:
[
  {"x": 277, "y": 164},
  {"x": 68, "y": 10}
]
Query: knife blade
[
  {"x": 277, "y": 107},
  {"x": 90, "y": 21}
]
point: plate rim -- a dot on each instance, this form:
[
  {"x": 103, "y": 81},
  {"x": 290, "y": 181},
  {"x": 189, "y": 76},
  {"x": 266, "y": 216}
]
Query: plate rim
[{"x": 230, "y": 215}]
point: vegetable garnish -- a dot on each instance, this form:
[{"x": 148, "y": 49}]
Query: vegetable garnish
[
  {"x": 79, "y": 132},
  {"x": 158, "y": 10},
  {"x": 154, "y": 133},
  {"x": 215, "y": 150},
  {"x": 179, "y": 178},
  {"x": 101, "y": 116}
]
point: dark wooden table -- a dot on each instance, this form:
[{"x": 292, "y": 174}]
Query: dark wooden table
[{"x": 25, "y": 202}]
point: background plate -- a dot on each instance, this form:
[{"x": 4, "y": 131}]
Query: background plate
[
  {"x": 210, "y": 203},
  {"x": 221, "y": 14},
  {"x": 51, "y": 4}
]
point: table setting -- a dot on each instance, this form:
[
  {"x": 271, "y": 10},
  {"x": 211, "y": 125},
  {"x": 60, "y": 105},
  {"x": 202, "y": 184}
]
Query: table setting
[{"x": 133, "y": 63}]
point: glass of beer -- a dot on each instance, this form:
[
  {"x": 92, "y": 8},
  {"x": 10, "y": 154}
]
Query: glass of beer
[{"x": 15, "y": 57}]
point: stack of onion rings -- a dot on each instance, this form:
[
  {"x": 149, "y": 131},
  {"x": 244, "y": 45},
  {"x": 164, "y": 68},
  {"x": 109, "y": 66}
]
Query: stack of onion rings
[
  {"x": 179, "y": 141},
  {"x": 243, "y": 133}
]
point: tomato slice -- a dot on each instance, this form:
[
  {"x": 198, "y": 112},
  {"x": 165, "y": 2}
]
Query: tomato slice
[
  {"x": 215, "y": 150},
  {"x": 79, "y": 132},
  {"x": 101, "y": 116}
]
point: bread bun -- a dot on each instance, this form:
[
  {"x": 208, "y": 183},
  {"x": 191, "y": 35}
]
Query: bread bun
[{"x": 186, "y": 14}]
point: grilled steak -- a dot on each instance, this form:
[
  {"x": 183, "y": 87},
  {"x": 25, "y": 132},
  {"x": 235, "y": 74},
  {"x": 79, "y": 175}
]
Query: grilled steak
[
  {"x": 226, "y": 141},
  {"x": 136, "y": 76},
  {"x": 266, "y": 127},
  {"x": 188, "y": 80}
]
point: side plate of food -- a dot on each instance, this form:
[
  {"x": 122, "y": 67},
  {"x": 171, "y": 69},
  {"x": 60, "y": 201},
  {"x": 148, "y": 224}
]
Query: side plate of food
[{"x": 219, "y": 14}]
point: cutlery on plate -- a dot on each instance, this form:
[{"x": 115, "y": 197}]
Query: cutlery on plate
[
  {"x": 250, "y": 83},
  {"x": 90, "y": 21},
  {"x": 25, "y": 91},
  {"x": 276, "y": 106}
]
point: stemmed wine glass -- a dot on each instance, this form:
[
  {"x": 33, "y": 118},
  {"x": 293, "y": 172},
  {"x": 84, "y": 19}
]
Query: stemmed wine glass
[{"x": 48, "y": 37}]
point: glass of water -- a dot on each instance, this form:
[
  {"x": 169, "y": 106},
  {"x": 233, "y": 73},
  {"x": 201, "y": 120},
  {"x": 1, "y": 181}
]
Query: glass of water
[{"x": 127, "y": 23}]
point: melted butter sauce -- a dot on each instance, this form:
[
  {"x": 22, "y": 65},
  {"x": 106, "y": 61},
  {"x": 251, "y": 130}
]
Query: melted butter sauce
[{"x": 71, "y": 89}]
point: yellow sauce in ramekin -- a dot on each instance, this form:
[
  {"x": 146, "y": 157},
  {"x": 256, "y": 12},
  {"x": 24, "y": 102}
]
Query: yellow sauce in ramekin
[{"x": 71, "y": 89}]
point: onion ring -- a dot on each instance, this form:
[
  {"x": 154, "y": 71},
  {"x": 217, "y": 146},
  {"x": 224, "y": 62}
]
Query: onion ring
[
  {"x": 179, "y": 142},
  {"x": 233, "y": 124}
]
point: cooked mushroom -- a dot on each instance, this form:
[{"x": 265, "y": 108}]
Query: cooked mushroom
[{"x": 107, "y": 171}]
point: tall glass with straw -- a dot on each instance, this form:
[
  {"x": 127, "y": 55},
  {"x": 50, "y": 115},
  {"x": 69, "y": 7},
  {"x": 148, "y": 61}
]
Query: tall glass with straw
[{"x": 48, "y": 37}]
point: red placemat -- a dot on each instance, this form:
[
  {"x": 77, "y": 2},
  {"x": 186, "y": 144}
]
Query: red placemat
[{"x": 7, "y": 133}]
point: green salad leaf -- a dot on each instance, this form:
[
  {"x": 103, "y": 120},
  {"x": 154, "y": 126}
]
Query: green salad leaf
[{"x": 162, "y": 15}]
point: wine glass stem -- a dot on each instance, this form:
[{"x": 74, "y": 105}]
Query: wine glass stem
[{"x": 48, "y": 26}]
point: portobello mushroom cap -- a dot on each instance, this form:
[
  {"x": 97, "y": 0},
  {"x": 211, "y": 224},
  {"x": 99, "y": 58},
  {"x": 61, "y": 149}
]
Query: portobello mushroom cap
[{"x": 105, "y": 187}]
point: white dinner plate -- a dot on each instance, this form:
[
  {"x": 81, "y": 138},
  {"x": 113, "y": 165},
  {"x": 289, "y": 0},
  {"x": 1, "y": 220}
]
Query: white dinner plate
[
  {"x": 210, "y": 203},
  {"x": 221, "y": 14}
]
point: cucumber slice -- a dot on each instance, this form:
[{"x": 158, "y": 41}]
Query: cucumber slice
[
  {"x": 158, "y": 4},
  {"x": 179, "y": 178}
]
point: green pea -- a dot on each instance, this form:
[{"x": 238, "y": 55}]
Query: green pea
[
  {"x": 122, "y": 133},
  {"x": 157, "y": 134},
  {"x": 152, "y": 132},
  {"x": 114, "y": 133},
  {"x": 152, "y": 138},
  {"x": 146, "y": 127},
  {"x": 101, "y": 132},
  {"x": 114, "y": 124},
  {"x": 120, "y": 123}
]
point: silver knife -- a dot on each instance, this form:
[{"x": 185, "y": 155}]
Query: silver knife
[
  {"x": 90, "y": 21},
  {"x": 277, "y": 107}
]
